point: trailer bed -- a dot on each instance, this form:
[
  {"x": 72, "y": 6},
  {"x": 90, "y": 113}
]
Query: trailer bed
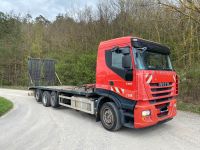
[{"x": 75, "y": 90}]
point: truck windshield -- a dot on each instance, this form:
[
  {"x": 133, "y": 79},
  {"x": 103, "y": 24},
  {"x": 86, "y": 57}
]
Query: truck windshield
[{"x": 152, "y": 61}]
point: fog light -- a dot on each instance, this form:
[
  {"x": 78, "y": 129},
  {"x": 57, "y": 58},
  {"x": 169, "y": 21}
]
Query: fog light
[{"x": 146, "y": 113}]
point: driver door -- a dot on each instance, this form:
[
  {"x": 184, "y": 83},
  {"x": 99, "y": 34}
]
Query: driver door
[{"x": 120, "y": 79}]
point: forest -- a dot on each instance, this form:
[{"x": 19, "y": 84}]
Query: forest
[{"x": 72, "y": 39}]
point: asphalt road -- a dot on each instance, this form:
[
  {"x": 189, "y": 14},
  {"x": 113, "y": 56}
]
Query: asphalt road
[{"x": 30, "y": 126}]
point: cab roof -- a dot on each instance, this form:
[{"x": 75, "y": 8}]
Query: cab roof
[{"x": 136, "y": 42}]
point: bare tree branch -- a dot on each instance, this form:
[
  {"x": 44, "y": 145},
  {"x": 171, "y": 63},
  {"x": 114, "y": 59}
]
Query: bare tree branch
[{"x": 178, "y": 10}]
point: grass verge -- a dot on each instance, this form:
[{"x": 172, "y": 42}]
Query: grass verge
[
  {"x": 5, "y": 105},
  {"x": 15, "y": 87},
  {"x": 195, "y": 108}
]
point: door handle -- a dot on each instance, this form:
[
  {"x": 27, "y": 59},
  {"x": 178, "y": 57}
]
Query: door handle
[{"x": 111, "y": 83}]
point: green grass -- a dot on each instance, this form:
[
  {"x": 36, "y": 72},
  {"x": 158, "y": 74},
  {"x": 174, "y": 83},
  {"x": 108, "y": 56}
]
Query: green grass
[
  {"x": 195, "y": 108},
  {"x": 5, "y": 105}
]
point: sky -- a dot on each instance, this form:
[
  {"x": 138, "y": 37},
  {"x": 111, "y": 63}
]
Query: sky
[{"x": 48, "y": 8}]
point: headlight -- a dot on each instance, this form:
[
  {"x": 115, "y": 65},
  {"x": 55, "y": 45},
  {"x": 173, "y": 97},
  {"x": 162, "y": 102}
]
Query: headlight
[{"x": 146, "y": 113}]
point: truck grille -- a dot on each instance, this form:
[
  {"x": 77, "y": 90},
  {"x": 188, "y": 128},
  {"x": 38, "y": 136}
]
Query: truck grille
[
  {"x": 162, "y": 110},
  {"x": 161, "y": 91}
]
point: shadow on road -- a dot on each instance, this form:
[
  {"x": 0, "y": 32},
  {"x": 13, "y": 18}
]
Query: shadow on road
[{"x": 128, "y": 131}]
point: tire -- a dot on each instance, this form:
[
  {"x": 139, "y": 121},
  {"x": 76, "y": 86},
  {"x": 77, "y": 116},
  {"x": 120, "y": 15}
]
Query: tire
[
  {"x": 46, "y": 98},
  {"x": 38, "y": 95},
  {"x": 110, "y": 116},
  {"x": 54, "y": 100}
]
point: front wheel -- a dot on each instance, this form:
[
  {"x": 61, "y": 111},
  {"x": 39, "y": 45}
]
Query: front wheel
[{"x": 110, "y": 116}]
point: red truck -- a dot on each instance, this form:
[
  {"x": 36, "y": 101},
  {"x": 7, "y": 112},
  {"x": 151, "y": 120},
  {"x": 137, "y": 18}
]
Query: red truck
[{"x": 135, "y": 87}]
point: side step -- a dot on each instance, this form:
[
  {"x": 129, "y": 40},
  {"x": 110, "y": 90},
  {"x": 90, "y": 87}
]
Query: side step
[{"x": 78, "y": 103}]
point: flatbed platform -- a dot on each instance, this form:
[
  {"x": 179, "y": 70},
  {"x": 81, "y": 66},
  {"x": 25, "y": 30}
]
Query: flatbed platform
[{"x": 75, "y": 90}]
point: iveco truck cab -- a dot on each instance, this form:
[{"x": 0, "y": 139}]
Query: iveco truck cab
[{"x": 139, "y": 72}]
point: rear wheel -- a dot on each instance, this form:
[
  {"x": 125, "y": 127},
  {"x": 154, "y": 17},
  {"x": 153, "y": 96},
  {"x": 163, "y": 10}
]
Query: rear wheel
[
  {"x": 38, "y": 95},
  {"x": 54, "y": 100},
  {"x": 110, "y": 116},
  {"x": 46, "y": 98}
]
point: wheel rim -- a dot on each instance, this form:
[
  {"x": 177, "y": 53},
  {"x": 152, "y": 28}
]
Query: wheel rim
[
  {"x": 53, "y": 100},
  {"x": 37, "y": 96},
  {"x": 108, "y": 117},
  {"x": 44, "y": 99}
]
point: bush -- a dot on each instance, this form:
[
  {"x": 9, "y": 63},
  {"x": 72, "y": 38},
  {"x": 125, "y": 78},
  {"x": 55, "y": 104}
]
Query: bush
[
  {"x": 77, "y": 70},
  {"x": 190, "y": 85}
]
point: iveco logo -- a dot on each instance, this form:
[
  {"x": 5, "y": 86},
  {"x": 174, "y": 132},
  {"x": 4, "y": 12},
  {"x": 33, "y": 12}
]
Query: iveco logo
[{"x": 163, "y": 84}]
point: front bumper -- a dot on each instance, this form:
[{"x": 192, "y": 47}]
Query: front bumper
[{"x": 159, "y": 112}]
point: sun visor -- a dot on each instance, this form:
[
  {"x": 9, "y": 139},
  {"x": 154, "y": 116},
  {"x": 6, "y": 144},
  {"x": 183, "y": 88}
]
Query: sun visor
[{"x": 151, "y": 46}]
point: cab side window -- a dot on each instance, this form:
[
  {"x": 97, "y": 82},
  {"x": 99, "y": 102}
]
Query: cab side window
[
  {"x": 114, "y": 61},
  {"x": 117, "y": 60}
]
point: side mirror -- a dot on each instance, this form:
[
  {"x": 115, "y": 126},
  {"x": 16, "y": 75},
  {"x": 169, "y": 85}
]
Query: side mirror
[
  {"x": 126, "y": 62},
  {"x": 115, "y": 49}
]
